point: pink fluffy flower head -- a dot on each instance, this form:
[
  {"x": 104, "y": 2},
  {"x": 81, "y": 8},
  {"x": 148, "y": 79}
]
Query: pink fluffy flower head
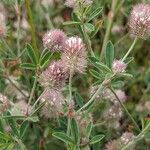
[
  {"x": 75, "y": 55},
  {"x": 74, "y": 3},
  {"x": 118, "y": 66},
  {"x": 54, "y": 40},
  {"x": 70, "y": 3},
  {"x": 2, "y": 25},
  {"x": 54, "y": 102},
  {"x": 54, "y": 76},
  {"x": 4, "y": 103},
  {"x": 139, "y": 22}
]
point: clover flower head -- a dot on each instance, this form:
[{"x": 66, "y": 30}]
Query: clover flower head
[
  {"x": 139, "y": 22},
  {"x": 118, "y": 66},
  {"x": 54, "y": 76},
  {"x": 54, "y": 40},
  {"x": 4, "y": 103},
  {"x": 74, "y": 55},
  {"x": 54, "y": 102}
]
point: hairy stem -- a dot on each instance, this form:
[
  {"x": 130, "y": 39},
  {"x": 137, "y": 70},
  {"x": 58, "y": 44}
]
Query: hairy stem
[
  {"x": 125, "y": 109},
  {"x": 32, "y": 91},
  {"x": 70, "y": 99},
  {"x": 112, "y": 13},
  {"x": 130, "y": 49},
  {"x": 29, "y": 12}
]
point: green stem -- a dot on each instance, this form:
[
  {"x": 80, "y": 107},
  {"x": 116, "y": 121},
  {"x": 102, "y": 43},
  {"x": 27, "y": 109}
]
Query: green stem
[
  {"x": 130, "y": 49},
  {"x": 137, "y": 138},
  {"x": 32, "y": 91},
  {"x": 125, "y": 109},
  {"x": 88, "y": 42},
  {"x": 29, "y": 12},
  {"x": 107, "y": 34},
  {"x": 7, "y": 47},
  {"x": 115, "y": 6},
  {"x": 15, "y": 86},
  {"x": 92, "y": 98},
  {"x": 18, "y": 27},
  {"x": 70, "y": 99}
]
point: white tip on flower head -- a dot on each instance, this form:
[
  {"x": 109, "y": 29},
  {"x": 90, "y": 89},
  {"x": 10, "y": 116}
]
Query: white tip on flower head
[
  {"x": 54, "y": 102},
  {"x": 54, "y": 40},
  {"x": 118, "y": 66},
  {"x": 75, "y": 55},
  {"x": 139, "y": 22},
  {"x": 54, "y": 76}
]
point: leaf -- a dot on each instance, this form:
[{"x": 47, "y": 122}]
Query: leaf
[
  {"x": 129, "y": 60},
  {"x": 75, "y": 131},
  {"x": 97, "y": 28},
  {"x": 71, "y": 23},
  {"x": 89, "y": 129},
  {"x": 79, "y": 99},
  {"x": 94, "y": 14},
  {"x": 93, "y": 59},
  {"x": 5, "y": 137},
  {"x": 45, "y": 59},
  {"x": 89, "y": 27},
  {"x": 125, "y": 75},
  {"x": 63, "y": 137},
  {"x": 102, "y": 67},
  {"x": 11, "y": 146},
  {"x": 97, "y": 139},
  {"x": 13, "y": 125},
  {"x": 95, "y": 74},
  {"x": 31, "y": 53},
  {"x": 109, "y": 54},
  {"x": 23, "y": 128},
  {"x": 28, "y": 66}
]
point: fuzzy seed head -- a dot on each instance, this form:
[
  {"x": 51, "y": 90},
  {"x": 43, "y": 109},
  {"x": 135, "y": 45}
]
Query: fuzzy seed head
[
  {"x": 126, "y": 137},
  {"x": 74, "y": 3},
  {"x": 70, "y": 3},
  {"x": 54, "y": 102},
  {"x": 139, "y": 22},
  {"x": 75, "y": 55},
  {"x": 2, "y": 25},
  {"x": 22, "y": 108},
  {"x": 54, "y": 40},
  {"x": 54, "y": 76},
  {"x": 4, "y": 103},
  {"x": 118, "y": 66}
]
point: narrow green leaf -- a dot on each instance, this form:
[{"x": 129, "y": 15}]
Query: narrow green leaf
[
  {"x": 11, "y": 146},
  {"x": 89, "y": 27},
  {"x": 95, "y": 74},
  {"x": 63, "y": 137},
  {"x": 23, "y": 128},
  {"x": 79, "y": 99},
  {"x": 13, "y": 126},
  {"x": 75, "y": 131},
  {"x": 45, "y": 59},
  {"x": 109, "y": 54},
  {"x": 96, "y": 139},
  {"x": 89, "y": 129},
  {"x": 28, "y": 66},
  {"x": 32, "y": 54},
  {"x": 102, "y": 67},
  {"x": 71, "y": 23},
  {"x": 94, "y": 14}
]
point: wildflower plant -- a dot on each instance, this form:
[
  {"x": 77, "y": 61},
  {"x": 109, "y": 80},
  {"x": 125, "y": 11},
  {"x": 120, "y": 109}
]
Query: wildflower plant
[{"x": 71, "y": 84}]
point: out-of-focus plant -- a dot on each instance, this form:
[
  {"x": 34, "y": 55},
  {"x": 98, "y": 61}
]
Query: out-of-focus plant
[{"x": 42, "y": 87}]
